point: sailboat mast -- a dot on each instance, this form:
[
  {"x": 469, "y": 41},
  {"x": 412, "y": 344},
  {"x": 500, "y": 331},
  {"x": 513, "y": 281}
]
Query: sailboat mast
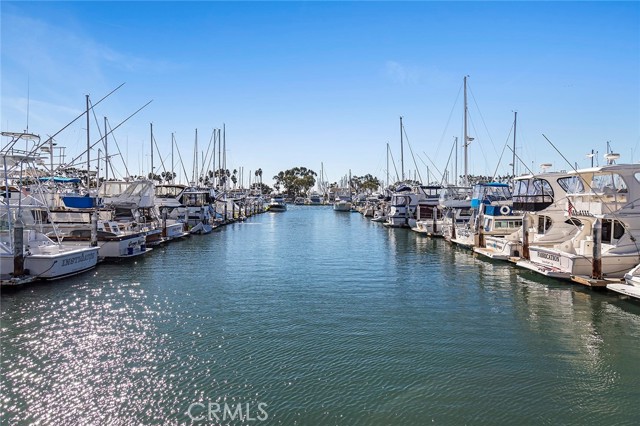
[
  {"x": 466, "y": 137},
  {"x": 196, "y": 162},
  {"x": 106, "y": 154},
  {"x": 387, "y": 166},
  {"x": 455, "y": 168},
  {"x": 515, "y": 124},
  {"x": 401, "y": 150},
  {"x": 151, "y": 138},
  {"x": 172, "y": 137},
  {"x": 88, "y": 147}
]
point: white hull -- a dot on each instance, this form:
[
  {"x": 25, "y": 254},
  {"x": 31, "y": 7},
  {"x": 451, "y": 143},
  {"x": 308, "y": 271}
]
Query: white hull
[
  {"x": 625, "y": 289},
  {"x": 174, "y": 231},
  {"x": 499, "y": 248},
  {"x": 342, "y": 207},
  {"x": 427, "y": 227},
  {"x": 555, "y": 263},
  {"x": 54, "y": 262},
  {"x": 201, "y": 228}
]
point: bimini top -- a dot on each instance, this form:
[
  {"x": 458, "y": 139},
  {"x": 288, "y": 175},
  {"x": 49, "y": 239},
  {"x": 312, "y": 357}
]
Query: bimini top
[
  {"x": 59, "y": 179},
  {"x": 495, "y": 184}
]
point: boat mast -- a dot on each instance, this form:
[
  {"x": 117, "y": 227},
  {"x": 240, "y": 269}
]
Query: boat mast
[
  {"x": 401, "y": 151},
  {"x": 195, "y": 170},
  {"x": 466, "y": 138},
  {"x": 387, "y": 165},
  {"x": 172, "y": 177},
  {"x": 515, "y": 124},
  {"x": 455, "y": 171},
  {"x": 88, "y": 147},
  {"x": 151, "y": 139}
]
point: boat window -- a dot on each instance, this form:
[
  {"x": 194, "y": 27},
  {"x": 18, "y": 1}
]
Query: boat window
[
  {"x": 571, "y": 184},
  {"x": 573, "y": 221},
  {"x": 608, "y": 183},
  {"x": 606, "y": 231},
  {"x": 618, "y": 230},
  {"x": 544, "y": 223}
]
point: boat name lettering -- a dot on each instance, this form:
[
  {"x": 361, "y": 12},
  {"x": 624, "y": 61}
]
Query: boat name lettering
[
  {"x": 78, "y": 259},
  {"x": 549, "y": 256}
]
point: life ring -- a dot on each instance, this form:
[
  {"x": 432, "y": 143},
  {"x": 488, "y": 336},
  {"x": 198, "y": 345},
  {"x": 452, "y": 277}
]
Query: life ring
[{"x": 505, "y": 210}]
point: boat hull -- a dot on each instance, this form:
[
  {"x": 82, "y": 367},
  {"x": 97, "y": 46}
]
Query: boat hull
[
  {"x": 54, "y": 262},
  {"x": 625, "y": 289},
  {"x": 555, "y": 263}
]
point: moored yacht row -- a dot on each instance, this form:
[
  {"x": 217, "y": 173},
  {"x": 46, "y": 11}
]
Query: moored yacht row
[
  {"x": 53, "y": 227},
  {"x": 581, "y": 225}
]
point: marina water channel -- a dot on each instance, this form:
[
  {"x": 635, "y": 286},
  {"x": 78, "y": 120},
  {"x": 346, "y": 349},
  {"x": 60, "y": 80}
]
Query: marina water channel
[{"x": 316, "y": 317}]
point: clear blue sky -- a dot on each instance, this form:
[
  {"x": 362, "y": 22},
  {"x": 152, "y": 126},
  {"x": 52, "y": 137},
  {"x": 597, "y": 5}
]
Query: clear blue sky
[{"x": 300, "y": 83}]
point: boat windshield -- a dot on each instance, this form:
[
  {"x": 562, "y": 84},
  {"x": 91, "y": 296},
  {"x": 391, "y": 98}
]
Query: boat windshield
[
  {"x": 168, "y": 191},
  {"x": 571, "y": 184},
  {"x": 491, "y": 193},
  {"x": 608, "y": 183},
  {"x": 532, "y": 190}
]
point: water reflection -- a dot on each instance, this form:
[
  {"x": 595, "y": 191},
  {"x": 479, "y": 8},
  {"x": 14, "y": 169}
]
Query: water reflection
[{"x": 329, "y": 319}]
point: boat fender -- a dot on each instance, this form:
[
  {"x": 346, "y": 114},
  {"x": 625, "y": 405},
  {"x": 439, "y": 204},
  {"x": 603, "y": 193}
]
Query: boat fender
[{"x": 505, "y": 210}]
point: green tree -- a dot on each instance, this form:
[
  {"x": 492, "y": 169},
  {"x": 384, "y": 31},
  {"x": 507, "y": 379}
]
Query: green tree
[
  {"x": 296, "y": 181},
  {"x": 367, "y": 182}
]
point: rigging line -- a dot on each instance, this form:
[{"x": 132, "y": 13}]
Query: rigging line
[
  {"x": 100, "y": 140},
  {"x": 520, "y": 160},
  {"x": 203, "y": 172},
  {"x": 394, "y": 163},
  {"x": 155, "y": 143},
  {"x": 181, "y": 162},
  {"x": 447, "y": 165},
  {"x": 450, "y": 115},
  {"x": 482, "y": 118},
  {"x": 436, "y": 167},
  {"x": 83, "y": 113},
  {"x": 51, "y": 138},
  {"x": 506, "y": 143},
  {"x": 119, "y": 152},
  {"x": 95, "y": 118},
  {"x": 411, "y": 150},
  {"x": 484, "y": 154}
]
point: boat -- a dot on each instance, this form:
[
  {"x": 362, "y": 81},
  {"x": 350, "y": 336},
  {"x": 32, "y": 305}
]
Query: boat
[
  {"x": 277, "y": 204},
  {"x": 26, "y": 253},
  {"x": 631, "y": 286},
  {"x": 601, "y": 201},
  {"x": 492, "y": 214},
  {"x": 343, "y": 201},
  {"x": 314, "y": 199},
  {"x": 404, "y": 204},
  {"x": 455, "y": 201},
  {"x": 542, "y": 199},
  {"x": 428, "y": 212},
  {"x": 200, "y": 213},
  {"x": 41, "y": 257}
]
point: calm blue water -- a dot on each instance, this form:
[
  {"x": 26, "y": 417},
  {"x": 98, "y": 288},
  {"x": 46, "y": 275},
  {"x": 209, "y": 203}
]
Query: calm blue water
[{"x": 315, "y": 317}]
